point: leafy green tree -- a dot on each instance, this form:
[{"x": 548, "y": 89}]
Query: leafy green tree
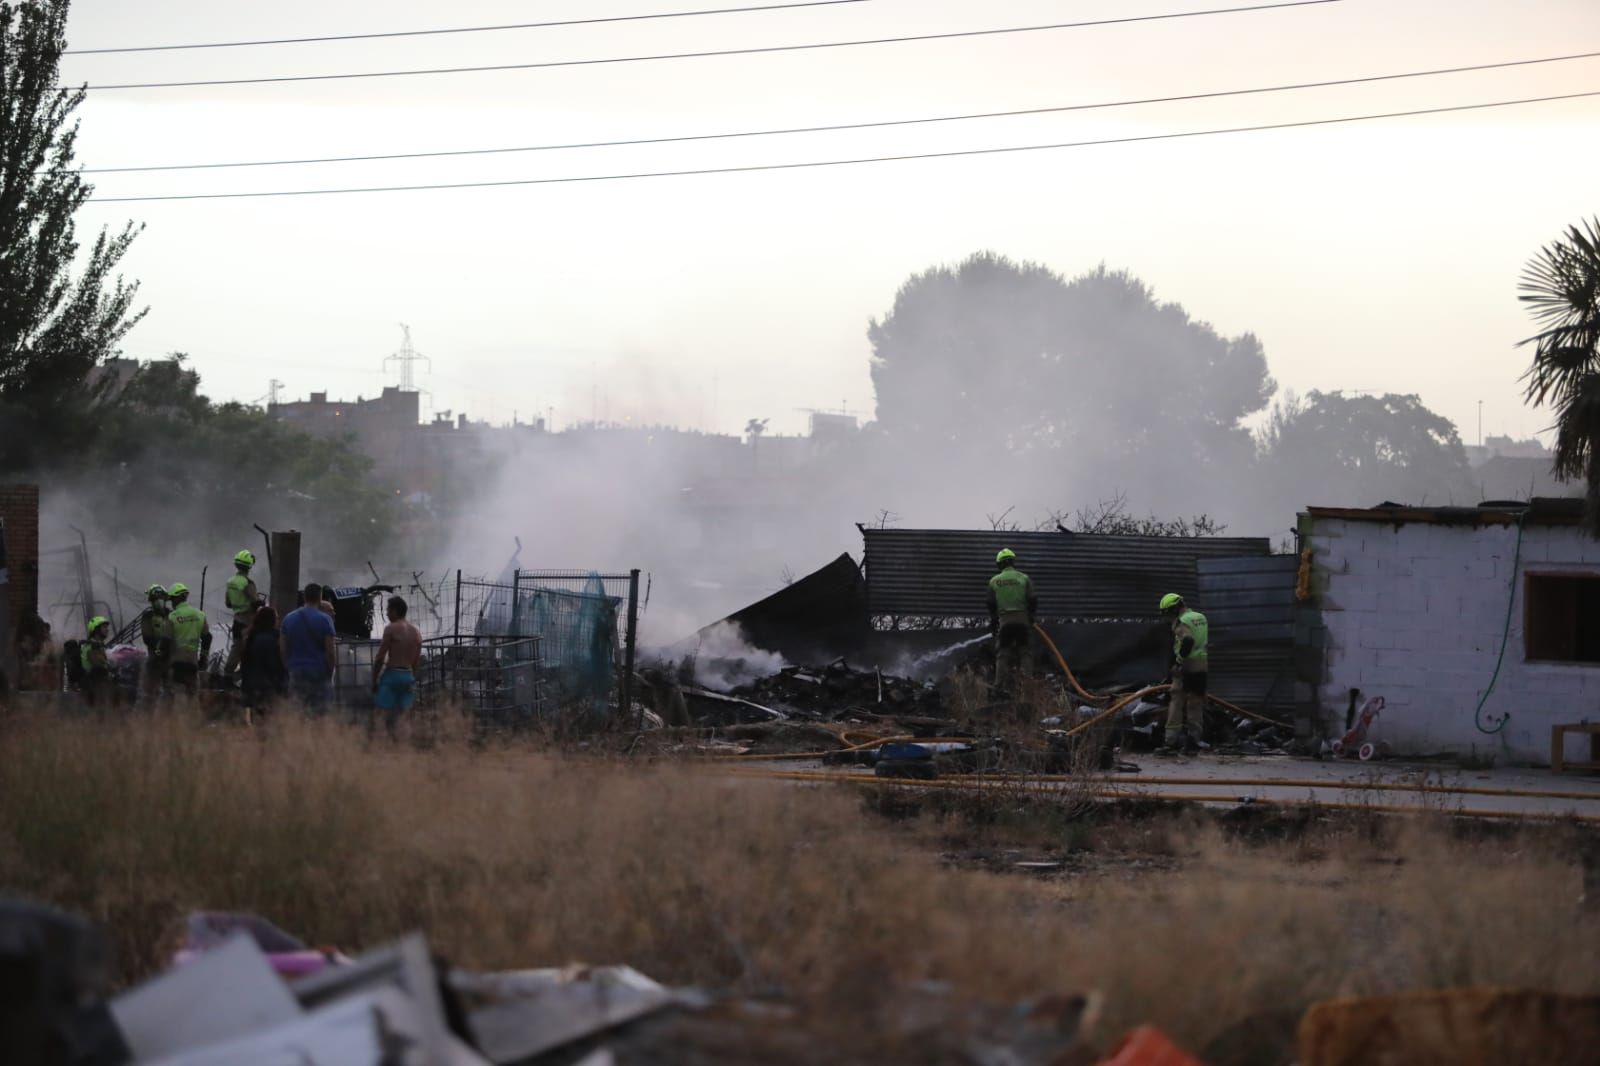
[
  {"x": 1561, "y": 286},
  {"x": 1006, "y": 365},
  {"x": 54, "y": 326},
  {"x": 169, "y": 468},
  {"x": 1362, "y": 451}
]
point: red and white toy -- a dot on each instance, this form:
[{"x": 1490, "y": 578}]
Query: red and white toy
[{"x": 1355, "y": 742}]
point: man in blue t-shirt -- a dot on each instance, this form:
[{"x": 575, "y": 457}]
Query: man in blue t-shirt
[{"x": 306, "y": 636}]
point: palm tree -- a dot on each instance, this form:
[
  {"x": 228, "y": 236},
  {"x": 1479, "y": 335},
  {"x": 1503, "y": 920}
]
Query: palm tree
[{"x": 1561, "y": 285}]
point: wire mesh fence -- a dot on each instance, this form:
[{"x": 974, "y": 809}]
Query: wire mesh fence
[
  {"x": 498, "y": 681},
  {"x": 586, "y": 624}
]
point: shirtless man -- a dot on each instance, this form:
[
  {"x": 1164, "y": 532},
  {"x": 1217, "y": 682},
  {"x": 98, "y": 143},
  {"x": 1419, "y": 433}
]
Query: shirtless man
[{"x": 394, "y": 683}]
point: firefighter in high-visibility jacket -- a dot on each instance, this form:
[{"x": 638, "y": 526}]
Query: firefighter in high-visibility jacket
[
  {"x": 1012, "y": 608},
  {"x": 1191, "y": 664},
  {"x": 242, "y": 601},
  {"x": 155, "y": 627},
  {"x": 191, "y": 639},
  {"x": 96, "y": 665}
]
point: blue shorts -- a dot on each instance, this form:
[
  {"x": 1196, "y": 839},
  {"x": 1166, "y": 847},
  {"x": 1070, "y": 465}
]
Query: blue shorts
[{"x": 397, "y": 689}]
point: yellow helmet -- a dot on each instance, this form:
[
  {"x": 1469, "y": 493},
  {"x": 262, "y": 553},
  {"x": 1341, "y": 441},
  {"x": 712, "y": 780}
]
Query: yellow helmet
[
  {"x": 245, "y": 559},
  {"x": 96, "y": 622},
  {"x": 1005, "y": 555},
  {"x": 177, "y": 588},
  {"x": 1171, "y": 600}
]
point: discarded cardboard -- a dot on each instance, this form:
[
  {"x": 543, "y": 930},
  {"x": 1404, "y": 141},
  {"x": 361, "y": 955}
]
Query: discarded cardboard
[
  {"x": 404, "y": 965},
  {"x": 228, "y": 992},
  {"x": 531, "y": 1012}
]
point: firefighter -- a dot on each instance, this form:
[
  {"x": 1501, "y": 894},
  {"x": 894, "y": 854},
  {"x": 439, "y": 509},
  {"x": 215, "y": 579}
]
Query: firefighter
[
  {"x": 242, "y": 599},
  {"x": 191, "y": 639},
  {"x": 1190, "y": 668},
  {"x": 1012, "y": 608},
  {"x": 96, "y": 665},
  {"x": 155, "y": 627}
]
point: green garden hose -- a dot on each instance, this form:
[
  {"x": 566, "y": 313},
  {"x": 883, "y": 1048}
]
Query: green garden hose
[{"x": 1505, "y": 638}]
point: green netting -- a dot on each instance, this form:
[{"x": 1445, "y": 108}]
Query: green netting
[{"x": 578, "y": 639}]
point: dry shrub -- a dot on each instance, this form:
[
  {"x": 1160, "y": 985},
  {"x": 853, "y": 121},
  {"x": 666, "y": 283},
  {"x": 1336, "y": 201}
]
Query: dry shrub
[{"x": 512, "y": 857}]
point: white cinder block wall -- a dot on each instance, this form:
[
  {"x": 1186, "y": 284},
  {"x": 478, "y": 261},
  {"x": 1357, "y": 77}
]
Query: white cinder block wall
[{"x": 1415, "y": 613}]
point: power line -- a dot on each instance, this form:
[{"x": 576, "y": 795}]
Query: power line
[
  {"x": 459, "y": 29},
  {"x": 812, "y": 164},
  {"x": 765, "y": 50},
  {"x": 846, "y": 126}
]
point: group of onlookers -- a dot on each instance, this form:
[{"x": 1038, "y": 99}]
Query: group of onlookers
[{"x": 270, "y": 658}]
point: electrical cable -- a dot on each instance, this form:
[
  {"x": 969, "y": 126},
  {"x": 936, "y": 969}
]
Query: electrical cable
[
  {"x": 763, "y": 50},
  {"x": 458, "y": 29},
  {"x": 1505, "y": 638},
  {"x": 818, "y": 163},
  {"x": 630, "y": 142}
]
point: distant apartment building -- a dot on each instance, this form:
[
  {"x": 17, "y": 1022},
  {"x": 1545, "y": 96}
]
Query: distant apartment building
[
  {"x": 1508, "y": 469},
  {"x": 385, "y": 428}
]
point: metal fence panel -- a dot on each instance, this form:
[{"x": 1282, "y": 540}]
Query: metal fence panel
[
  {"x": 1250, "y": 604},
  {"x": 497, "y": 680},
  {"x": 945, "y": 573}
]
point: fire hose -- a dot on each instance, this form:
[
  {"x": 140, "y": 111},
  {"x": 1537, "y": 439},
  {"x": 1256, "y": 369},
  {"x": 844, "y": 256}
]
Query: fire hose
[
  {"x": 1038, "y": 785},
  {"x": 1117, "y": 704},
  {"x": 1072, "y": 680}
]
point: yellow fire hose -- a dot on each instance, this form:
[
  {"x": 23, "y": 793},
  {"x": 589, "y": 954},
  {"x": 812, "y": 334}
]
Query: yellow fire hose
[
  {"x": 822, "y": 777},
  {"x": 1072, "y": 680}
]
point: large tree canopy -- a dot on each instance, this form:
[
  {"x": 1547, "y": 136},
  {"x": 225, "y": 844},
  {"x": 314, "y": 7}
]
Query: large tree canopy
[
  {"x": 169, "y": 468},
  {"x": 1360, "y": 451},
  {"x": 54, "y": 326},
  {"x": 1013, "y": 361}
]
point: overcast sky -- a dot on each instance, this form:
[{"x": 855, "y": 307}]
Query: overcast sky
[{"x": 1371, "y": 256}]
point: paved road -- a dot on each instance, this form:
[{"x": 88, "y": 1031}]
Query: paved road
[{"x": 1232, "y": 779}]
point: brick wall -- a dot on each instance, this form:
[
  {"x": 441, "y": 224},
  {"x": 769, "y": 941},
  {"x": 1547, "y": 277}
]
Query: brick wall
[
  {"x": 19, "y": 510},
  {"x": 1415, "y": 614}
]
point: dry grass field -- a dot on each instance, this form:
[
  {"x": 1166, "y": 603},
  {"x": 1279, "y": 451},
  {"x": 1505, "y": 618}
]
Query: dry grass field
[{"x": 839, "y": 901}]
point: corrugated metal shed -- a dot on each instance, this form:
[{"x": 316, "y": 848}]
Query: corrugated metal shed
[
  {"x": 1250, "y": 604},
  {"x": 1250, "y": 598},
  {"x": 945, "y": 573}
]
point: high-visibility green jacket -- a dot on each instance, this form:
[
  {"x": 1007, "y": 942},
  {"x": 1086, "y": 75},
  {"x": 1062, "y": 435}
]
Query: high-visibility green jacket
[
  {"x": 1191, "y": 625},
  {"x": 188, "y": 631},
  {"x": 1011, "y": 592},
  {"x": 240, "y": 597},
  {"x": 156, "y": 629},
  {"x": 92, "y": 654}
]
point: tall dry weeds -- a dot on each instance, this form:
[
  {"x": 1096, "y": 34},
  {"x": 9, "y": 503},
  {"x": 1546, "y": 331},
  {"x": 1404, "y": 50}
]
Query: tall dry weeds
[{"x": 516, "y": 857}]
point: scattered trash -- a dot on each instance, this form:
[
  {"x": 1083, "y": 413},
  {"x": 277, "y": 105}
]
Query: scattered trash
[
  {"x": 1149, "y": 1046},
  {"x": 1457, "y": 1025},
  {"x": 289, "y": 956},
  {"x": 55, "y": 970},
  {"x": 525, "y": 1014},
  {"x": 838, "y": 689},
  {"x": 1355, "y": 742},
  {"x": 224, "y": 994}
]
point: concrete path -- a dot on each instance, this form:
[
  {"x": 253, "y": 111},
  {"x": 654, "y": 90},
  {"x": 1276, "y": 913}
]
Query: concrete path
[{"x": 1229, "y": 780}]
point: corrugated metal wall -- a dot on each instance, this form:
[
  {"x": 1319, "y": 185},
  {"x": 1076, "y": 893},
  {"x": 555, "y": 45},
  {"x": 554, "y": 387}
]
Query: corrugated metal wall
[
  {"x": 945, "y": 573},
  {"x": 1250, "y": 605}
]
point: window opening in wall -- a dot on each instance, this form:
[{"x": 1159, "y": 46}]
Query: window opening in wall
[{"x": 1562, "y": 622}]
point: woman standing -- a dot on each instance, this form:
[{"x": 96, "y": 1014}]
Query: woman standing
[{"x": 263, "y": 676}]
